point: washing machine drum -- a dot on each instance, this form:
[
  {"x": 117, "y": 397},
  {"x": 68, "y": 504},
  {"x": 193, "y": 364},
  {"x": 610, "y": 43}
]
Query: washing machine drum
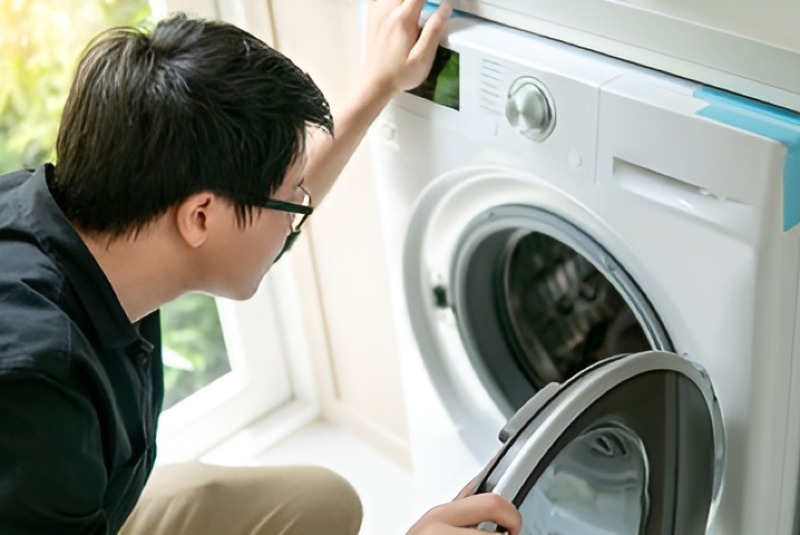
[
  {"x": 630, "y": 445},
  {"x": 538, "y": 300}
]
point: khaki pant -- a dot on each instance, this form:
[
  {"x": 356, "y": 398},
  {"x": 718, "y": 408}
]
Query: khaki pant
[{"x": 200, "y": 499}]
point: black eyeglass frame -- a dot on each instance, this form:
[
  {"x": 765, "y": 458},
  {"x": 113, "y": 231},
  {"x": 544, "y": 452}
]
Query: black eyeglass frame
[{"x": 291, "y": 207}]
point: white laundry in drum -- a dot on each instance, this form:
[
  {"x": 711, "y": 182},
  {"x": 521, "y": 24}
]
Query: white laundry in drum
[{"x": 597, "y": 484}]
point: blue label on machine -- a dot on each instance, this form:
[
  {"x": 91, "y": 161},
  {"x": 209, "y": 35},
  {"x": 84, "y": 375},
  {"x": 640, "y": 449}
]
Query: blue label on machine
[
  {"x": 431, "y": 6},
  {"x": 769, "y": 121}
]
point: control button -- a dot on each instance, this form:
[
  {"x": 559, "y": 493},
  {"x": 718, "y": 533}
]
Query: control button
[{"x": 530, "y": 109}]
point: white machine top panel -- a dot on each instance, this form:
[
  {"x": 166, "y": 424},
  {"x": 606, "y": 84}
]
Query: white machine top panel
[{"x": 747, "y": 47}]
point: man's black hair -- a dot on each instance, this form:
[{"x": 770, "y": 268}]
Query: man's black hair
[{"x": 193, "y": 105}]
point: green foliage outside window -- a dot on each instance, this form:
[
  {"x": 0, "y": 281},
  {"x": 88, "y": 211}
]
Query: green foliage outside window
[
  {"x": 40, "y": 44},
  {"x": 194, "y": 347}
]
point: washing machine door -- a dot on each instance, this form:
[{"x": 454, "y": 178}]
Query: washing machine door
[
  {"x": 510, "y": 284},
  {"x": 631, "y": 445}
]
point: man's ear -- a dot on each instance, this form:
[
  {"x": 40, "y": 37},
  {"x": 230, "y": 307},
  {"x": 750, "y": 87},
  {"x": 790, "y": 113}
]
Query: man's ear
[{"x": 193, "y": 218}]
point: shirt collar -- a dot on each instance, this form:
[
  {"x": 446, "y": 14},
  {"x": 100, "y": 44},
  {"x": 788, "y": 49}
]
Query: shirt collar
[{"x": 43, "y": 218}]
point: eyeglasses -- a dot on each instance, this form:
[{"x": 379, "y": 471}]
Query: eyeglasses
[{"x": 301, "y": 208}]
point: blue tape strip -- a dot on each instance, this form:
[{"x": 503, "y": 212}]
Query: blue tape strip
[
  {"x": 430, "y": 7},
  {"x": 769, "y": 121}
]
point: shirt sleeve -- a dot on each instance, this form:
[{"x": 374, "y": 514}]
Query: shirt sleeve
[{"x": 52, "y": 475}]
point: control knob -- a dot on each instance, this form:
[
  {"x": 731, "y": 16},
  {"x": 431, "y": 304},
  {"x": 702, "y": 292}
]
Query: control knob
[{"x": 529, "y": 109}]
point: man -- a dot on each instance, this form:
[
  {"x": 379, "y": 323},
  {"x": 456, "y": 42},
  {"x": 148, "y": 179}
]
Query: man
[{"x": 184, "y": 164}]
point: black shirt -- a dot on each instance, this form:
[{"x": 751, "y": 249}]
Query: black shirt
[{"x": 80, "y": 385}]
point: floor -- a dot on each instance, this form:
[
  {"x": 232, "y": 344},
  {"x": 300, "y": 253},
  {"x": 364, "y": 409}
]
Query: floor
[{"x": 385, "y": 488}]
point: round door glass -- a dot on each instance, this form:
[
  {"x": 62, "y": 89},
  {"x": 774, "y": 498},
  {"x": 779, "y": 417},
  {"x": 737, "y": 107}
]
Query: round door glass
[
  {"x": 618, "y": 454},
  {"x": 597, "y": 484}
]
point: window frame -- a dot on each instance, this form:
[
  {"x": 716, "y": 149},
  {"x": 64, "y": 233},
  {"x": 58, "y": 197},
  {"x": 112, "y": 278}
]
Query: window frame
[{"x": 271, "y": 374}]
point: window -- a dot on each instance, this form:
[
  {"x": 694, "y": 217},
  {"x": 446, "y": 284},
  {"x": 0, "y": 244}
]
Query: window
[
  {"x": 225, "y": 363},
  {"x": 41, "y": 41},
  {"x": 195, "y": 354}
]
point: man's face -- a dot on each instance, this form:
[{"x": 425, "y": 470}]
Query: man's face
[{"x": 244, "y": 254}]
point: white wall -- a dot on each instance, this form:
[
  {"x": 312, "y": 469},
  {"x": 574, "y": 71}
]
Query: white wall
[{"x": 343, "y": 268}]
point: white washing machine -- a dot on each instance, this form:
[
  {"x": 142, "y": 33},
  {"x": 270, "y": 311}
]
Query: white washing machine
[{"x": 621, "y": 248}]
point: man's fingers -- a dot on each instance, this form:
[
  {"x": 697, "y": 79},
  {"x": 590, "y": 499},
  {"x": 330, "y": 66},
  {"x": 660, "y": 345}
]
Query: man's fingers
[
  {"x": 414, "y": 5},
  {"x": 473, "y": 510},
  {"x": 469, "y": 488},
  {"x": 425, "y": 48}
]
